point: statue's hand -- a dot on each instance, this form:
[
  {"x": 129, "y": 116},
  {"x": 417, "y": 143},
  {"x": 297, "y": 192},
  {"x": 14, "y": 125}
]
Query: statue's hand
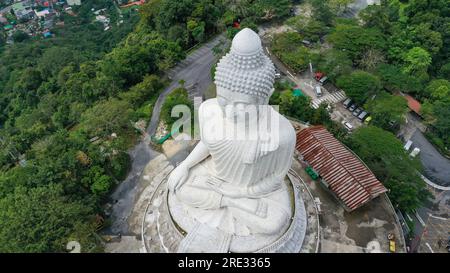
[{"x": 178, "y": 177}]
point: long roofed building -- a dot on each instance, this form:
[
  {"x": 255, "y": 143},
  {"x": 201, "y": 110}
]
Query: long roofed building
[{"x": 340, "y": 170}]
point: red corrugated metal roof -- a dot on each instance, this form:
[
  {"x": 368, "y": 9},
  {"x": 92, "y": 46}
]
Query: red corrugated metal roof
[
  {"x": 346, "y": 175},
  {"x": 413, "y": 104}
]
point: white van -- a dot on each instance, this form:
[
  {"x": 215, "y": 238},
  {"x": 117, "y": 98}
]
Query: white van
[
  {"x": 408, "y": 145},
  {"x": 318, "y": 91}
]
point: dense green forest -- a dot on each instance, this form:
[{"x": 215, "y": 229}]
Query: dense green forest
[{"x": 67, "y": 105}]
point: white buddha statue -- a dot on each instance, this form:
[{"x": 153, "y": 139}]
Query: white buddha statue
[{"x": 233, "y": 180}]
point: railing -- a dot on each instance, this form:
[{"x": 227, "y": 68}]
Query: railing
[
  {"x": 293, "y": 173},
  {"x": 398, "y": 222}
]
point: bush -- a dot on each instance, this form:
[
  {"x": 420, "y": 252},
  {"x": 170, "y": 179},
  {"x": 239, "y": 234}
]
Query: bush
[{"x": 178, "y": 96}]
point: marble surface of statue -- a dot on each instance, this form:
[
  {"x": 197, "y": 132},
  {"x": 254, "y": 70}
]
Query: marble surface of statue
[{"x": 234, "y": 180}]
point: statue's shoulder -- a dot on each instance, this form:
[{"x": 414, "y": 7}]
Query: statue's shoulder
[
  {"x": 286, "y": 128},
  {"x": 209, "y": 109},
  {"x": 209, "y": 102},
  {"x": 208, "y": 106}
]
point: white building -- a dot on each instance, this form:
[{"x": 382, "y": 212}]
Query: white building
[
  {"x": 74, "y": 2},
  {"x": 41, "y": 13}
]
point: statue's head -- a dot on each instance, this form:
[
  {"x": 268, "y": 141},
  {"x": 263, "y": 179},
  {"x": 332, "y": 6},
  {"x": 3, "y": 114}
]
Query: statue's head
[{"x": 245, "y": 75}]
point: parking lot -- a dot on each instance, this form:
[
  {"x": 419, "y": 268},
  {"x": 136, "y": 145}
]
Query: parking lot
[
  {"x": 340, "y": 114},
  {"x": 330, "y": 94}
]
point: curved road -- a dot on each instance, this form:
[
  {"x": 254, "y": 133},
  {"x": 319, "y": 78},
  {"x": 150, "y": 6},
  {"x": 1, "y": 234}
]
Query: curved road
[
  {"x": 195, "y": 69},
  {"x": 436, "y": 166}
]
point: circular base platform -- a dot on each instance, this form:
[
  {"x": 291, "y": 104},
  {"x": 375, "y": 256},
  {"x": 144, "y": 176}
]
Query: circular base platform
[{"x": 160, "y": 233}]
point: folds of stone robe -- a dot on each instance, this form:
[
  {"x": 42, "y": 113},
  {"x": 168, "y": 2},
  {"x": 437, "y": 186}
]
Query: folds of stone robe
[{"x": 261, "y": 179}]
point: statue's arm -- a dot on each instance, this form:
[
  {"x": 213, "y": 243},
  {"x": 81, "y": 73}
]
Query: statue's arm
[
  {"x": 199, "y": 153},
  {"x": 180, "y": 174}
]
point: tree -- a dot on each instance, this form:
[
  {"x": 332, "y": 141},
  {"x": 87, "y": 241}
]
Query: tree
[
  {"x": 322, "y": 11},
  {"x": 384, "y": 155},
  {"x": 197, "y": 30},
  {"x": 399, "y": 42},
  {"x": 356, "y": 40},
  {"x": 271, "y": 9},
  {"x": 299, "y": 107},
  {"x": 371, "y": 59},
  {"x": 29, "y": 81},
  {"x": 101, "y": 185},
  {"x": 394, "y": 79},
  {"x": 309, "y": 28},
  {"x": 359, "y": 85},
  {"x": 444, "y": 71},
  {"x": 41, "y": 220},
  {"x": 2, "y": 41},
  {"x": 288, "y": 47},
  {"x": 417, "y": 60},
  {"x": 428, "y": 39},
  {"x": 437, "y": 114},
  {"x": 375, "y": 16},
  {"x": 141, "y": 54},
  {"x": 119, "y": 165},
  {"x": 20, "y": 36},
  {"x": 239, "y": 8},
  {"x": 340, "y": 5},
  {"x": 55, "y": 58},
  {"x": 441, "y": 111},
  {"x": 144, "y": 91},
  {"x": 335, "y": 63},
  {"x": 107, "y": 117},
  {"x": 438, "y": 89},
  {"x": 386, "y": 109}
]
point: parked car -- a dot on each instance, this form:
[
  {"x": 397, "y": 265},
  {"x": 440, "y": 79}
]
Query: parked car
[
  {"x": 347, "y": 102},
  {"x": 367, "y": 120},
  {"x": 306, "y": 42},
  {"x": 357, "y": 111},
  {"x": 347, "y": 125},
  {"x": 318, "y": 75},
  {"x": 362, "y": 115},
  {"x": 318, "y": 90},
  {"x": 323, "y": 80},
  {"x": 352, "y": 107}
]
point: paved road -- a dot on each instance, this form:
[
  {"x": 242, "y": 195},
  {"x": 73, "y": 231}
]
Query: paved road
[
  {"x": 125, "y": 192},
  {"x": 436, "y": 166},
  {"x": 194, "y": 69},
  {"x": 437, "y": 169}
]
